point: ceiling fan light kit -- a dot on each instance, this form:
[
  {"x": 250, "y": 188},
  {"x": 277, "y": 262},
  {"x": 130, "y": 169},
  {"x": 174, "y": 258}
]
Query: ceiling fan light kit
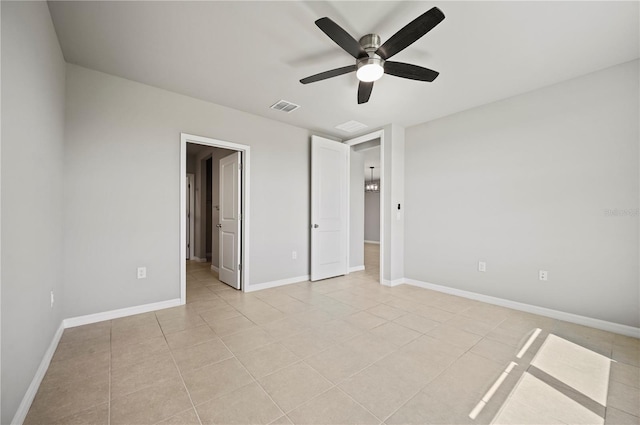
[{"x": 372, "y": 57}]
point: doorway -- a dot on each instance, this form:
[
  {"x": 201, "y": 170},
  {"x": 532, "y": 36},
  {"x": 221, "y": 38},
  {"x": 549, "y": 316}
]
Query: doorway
[
  {"x": 241, "y": 259},
  {"x": 369, "y": 149}
]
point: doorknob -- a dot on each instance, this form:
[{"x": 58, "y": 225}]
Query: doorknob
[
  {"x": 218, "y": 225},
  {"x": 315, "y": 226}
]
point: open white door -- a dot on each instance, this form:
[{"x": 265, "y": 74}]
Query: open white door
[
  {"x": 329, "y": 208},
  {"x": 229, "y": 226}
]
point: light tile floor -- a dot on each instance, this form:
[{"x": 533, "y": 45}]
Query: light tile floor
[{"x": 340, "y": 351}]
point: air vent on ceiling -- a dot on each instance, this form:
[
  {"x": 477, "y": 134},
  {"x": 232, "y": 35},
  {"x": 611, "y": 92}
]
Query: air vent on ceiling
[
  {"x": 351, "y": 126},
  {"x": 284, "y": 106}
]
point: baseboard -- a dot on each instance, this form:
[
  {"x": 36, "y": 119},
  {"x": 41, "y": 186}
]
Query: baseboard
[
  {"x": 23, "y": 409},
  {"x": 542, "y": 311},
  {"x": 116, "y": 314},
  {"x": 214, "y": 268},
  {"x": 356, "y": 269},
  {"x": 395, "y": 282},
  {"x": 373, "y": 242},
  {"x": 198, "y": 259},
  {"x": 276, "y": 283}
]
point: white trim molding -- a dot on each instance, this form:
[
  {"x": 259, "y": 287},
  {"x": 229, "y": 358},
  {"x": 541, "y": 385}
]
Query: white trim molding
[
  {"x": 373, "y": 242},
  {"x": 214, "y": 269},
  {"x": 542, "y": 311},
  {"x": 392, "y": 283},
  {"x": 198, "y": 259},
  {"x": 116, "y": 314},
  {"x": 356, "y": 269},
  {"x": 276, "y": 283},
  {"x": 25, "y": 405}
]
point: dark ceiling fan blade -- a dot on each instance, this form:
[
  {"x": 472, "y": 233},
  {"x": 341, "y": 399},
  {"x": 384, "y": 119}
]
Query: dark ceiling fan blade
[
  {"x": 328, "y": 74},
  {"x": 406, "y": 70},
  {"x": 410, "y": 33},
  {"x": 341, "y": 37},
  {"x": 364, "y": 92}
]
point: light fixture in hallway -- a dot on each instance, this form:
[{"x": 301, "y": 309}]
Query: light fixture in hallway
[{"x": 372, "y": 186}]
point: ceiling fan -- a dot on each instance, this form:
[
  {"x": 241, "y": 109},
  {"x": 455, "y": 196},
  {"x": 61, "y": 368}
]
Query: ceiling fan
[{"x": 372, "y": 58}]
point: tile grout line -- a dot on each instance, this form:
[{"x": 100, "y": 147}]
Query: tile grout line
[
  {"x": 184, "y": 385},
  {"x": 254, "y": 380}
]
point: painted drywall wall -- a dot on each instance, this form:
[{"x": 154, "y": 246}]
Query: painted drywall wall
[
  {"x": 122, "y": 204},
  {"x": 392, "y": 191},
  {"x": 356, "y": 209},
  {"x": 546, "y": 180},
  {"x": 372, "y": 216},
  {"x": 33, "y": 80}
]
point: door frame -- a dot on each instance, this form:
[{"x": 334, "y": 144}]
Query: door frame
[
  {"x": 191, "y": 178},
  {"x": 356, "y": 141},
  {"x": 244, "y": 196}
]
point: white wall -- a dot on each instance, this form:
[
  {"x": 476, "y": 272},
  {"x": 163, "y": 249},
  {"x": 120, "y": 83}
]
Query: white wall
[
  {"x": 356, "y": 210},
  {"x": 392, "y": 154},
  {"x": 122, "y": 182},
  {"x": 524, "y": 184},
  {"x": 372, "y": 216},
  {"x": 33, "y": 79}
]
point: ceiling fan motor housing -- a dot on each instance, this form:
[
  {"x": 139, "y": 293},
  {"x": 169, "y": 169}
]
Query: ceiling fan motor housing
[{"x": 370, "y": 44}]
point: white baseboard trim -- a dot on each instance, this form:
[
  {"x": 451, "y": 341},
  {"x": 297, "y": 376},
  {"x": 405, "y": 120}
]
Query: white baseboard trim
[
  {"x": 23, "y": 409},
  {"x": 373, "y": 242},
  {"x": 542, "y": 311},
  {"x": 198, "y": 259},
  {"x": 214, "y": 268},
  {"x": 116, "y": 314},
  {"x": 276, "y": 283},
  {"x": 395, "y": 282},
  {"x": 356, "y": 269}
]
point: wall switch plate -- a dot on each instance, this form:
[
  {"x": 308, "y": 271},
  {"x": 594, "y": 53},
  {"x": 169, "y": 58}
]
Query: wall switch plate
[
  {"x": 482, "y": 266},
  {"x": 142, "y": 272},
  {"x": 543, "y": 275},
  {"x": 294, "y": 255},
  {"x": 52, "y": 299}
]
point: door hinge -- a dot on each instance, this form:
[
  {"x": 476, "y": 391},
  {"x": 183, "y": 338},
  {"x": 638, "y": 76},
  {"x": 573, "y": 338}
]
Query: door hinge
[
  {"x": 240, "y": 166},
  {"x": 239, "y": 266},
  {"x": 239, "y": 216}
]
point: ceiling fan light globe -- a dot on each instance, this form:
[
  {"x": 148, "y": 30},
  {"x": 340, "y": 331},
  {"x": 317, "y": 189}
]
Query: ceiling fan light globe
[{"x": 370, "y": 72}]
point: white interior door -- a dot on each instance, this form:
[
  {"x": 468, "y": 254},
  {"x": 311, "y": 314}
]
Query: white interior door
[
  {"x": 329, "y": 208},
  {"x": 229, "y": 226}
]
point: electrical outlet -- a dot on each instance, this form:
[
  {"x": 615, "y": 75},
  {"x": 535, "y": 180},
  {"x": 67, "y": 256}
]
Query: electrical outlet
[
  {"x": 294, "y": 255},
  {"x": 142, "y": 272},
  {"x": 482, "y": 266},
  {"x": 543, "y": 275},
  {"x": 52, "y": 299}
]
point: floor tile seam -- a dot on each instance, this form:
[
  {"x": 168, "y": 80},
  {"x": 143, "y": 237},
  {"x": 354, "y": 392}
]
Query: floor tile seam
[
  {"x": 184, "y": 384},
  {"x": 310, "y": 400},
  {"x": 345, "y": 378},
  {"x": 255, "y": 380},
  {"x": 565, "y": 389},
  {"x": 208, "y": 364},
  {"x": 421, "y": 388},
  {"x": 359, "y": 404}
]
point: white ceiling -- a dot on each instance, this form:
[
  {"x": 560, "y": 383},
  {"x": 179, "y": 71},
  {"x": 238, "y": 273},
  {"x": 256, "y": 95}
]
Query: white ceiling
[{"x": 248, "y": 55}]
